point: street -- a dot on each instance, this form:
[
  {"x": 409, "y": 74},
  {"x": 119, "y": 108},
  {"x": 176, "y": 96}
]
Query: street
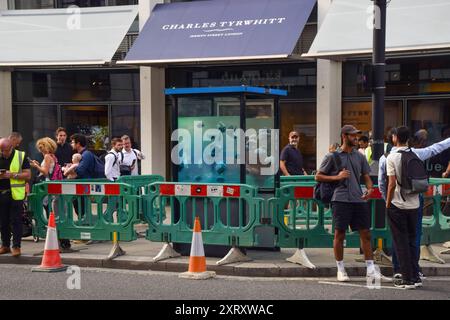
[{"x": 17, "y": 282}]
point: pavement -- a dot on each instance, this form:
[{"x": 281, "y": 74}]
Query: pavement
[{"x": 265, "y": 263}]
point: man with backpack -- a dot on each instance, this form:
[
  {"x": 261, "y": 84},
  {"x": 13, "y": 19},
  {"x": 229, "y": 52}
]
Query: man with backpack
[
  {"x": 344, "y": 168},
  {"x": 90, "y": 166},
  {"x": 423, "y": 154},
  {"x": 130, "y": 158},
  {"x": 407, "y": 178},
  {"x": 113, "y": 160}
]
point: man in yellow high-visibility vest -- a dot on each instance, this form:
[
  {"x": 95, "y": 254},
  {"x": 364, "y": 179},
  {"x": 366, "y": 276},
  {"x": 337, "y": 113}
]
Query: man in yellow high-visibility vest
[{"x": 14, "y": 172}]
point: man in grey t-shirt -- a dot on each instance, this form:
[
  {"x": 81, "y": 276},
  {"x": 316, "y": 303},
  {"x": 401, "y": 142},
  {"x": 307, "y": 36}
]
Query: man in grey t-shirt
[{"x": 349, "y": 203}]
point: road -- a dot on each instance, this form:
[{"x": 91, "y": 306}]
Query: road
[{"x": 18, "y": 282}]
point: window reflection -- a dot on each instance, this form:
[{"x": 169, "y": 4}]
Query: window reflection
[
  {"x": 300, "y": 117},
  {"x": 76, "y": 86},
  {"x": 126, "y": 120}
]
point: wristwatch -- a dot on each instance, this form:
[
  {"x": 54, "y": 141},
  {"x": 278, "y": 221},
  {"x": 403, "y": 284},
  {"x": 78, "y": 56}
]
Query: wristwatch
[{"x": 15, "y": 176}]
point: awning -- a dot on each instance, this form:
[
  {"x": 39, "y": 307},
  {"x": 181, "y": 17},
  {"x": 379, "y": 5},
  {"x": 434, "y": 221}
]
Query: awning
[
  {"x": 222, "y": 30},
  {"x": 63, "y": 36},
  {"x": 411, "y": 26}
]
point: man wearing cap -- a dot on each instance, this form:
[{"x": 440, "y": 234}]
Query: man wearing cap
[
  {"x": 291, "y": 159},
  {"x": 349, "y": 203}
]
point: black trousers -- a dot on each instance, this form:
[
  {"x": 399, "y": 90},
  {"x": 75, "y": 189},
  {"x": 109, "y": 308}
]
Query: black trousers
[
  {"x": 10, "y": 219},
  {"x": 403, "y": 224}
]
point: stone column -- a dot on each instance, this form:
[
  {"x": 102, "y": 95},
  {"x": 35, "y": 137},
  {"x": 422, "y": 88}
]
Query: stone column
[
  {"x": 329, "y": 96},
  {"x": 5, "y": 103},
  {"x": 153, "y": 122}
]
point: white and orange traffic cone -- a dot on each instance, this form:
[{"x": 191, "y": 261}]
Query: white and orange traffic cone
[
  {"x": 197, "y": 260},
  {"x": 51, "y": 261}
]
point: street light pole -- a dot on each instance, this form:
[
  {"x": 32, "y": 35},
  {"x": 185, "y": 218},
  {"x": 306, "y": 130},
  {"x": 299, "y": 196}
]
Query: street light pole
[{"x": 379, "y": 87}]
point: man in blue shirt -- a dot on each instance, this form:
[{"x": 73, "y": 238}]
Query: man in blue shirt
[
  {"x": 86, "y": 169},
  {"x": 423, "y": 154},
  {"x": 291, "y": 159}
]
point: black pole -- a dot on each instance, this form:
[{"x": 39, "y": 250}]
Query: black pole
[{"x": 379, "y": 87}]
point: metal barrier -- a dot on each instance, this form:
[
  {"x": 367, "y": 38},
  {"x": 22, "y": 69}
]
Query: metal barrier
[
  {"x": 228, "y": 213},
  {"x": 86, "y": 211}
]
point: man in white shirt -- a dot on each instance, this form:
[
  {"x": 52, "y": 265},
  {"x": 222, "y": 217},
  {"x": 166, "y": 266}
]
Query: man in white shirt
[
  {"x": 113, "y": 160},
  {"x": 131, "y": 156},
  {"x": 402, "y": 211}
]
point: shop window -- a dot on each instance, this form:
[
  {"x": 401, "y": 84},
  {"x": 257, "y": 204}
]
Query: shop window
[
  {"x": 434, "y": 117},
  {"x": 80, "y": 3},
  {"x": 33, "y": 4},
  {"x": 40, "y": 85},
  {"x": 359, "y": 114},
  {"x": 415, "y": 76},
  {"x": 92, "y": 121},
  {"x": 34, "y": 122},
  {"x": 126, "y": 120},
  {"x": 60, "y": 86},
  {"x": 298, "y": 79},
  {"x": 301, "y": 117}
]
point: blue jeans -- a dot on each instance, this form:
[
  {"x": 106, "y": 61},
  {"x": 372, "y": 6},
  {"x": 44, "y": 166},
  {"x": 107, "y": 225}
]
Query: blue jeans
[{"x": 395, "y": 263}]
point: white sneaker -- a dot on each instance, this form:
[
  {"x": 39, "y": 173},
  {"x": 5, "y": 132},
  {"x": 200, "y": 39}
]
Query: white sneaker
[
  {"x": 377, "y": 275},
  {"x": 342, "y": 276}
]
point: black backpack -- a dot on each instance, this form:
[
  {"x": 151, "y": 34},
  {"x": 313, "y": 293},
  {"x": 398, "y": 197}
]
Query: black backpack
[
  {"x": 99, "y": 166},
  {"x": 324, "y": 191},
  {"x": 414, "y": 177},
  {"x": 126, "y": 170}
]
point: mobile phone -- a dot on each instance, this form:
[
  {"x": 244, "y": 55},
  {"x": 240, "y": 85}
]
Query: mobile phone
[{"x": 29, "y": 159}]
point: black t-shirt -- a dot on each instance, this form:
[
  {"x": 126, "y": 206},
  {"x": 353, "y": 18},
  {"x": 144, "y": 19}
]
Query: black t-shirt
[
  {"x": 294, "y": 160},
  {"x": 64, "y": 154},
  {"x": 6, "y": 164}
]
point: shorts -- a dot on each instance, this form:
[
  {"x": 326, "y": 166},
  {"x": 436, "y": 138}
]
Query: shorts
[{"x": 353, "y": 214}]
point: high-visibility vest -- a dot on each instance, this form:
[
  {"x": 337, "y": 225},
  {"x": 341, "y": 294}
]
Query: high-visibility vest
[{"x": 17, "y": 186}]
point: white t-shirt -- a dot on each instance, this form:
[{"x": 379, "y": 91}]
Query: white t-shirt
[
  {"x": 393, "y": 168},
  {"x": 128, "y": 158},
  {"x": 112, "y": 170}
]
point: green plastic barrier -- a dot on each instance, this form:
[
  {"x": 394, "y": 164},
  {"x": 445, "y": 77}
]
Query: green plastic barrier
[
  {"x": 228, "y": 213},
  {"x": 103, "y": 208},
  {"x": 304, "y": 208},
  {"x": 141, "y": 183},
  {"x": 311, "y": 226},
  {"x": 436, "y": 228}
]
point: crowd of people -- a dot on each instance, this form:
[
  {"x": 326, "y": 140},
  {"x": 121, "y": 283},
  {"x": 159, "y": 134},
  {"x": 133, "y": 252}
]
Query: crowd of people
[
  {"x": 60, "y": 159},
  {"x": 344, "y": 168},
  {"x": 347, "y": 165}
]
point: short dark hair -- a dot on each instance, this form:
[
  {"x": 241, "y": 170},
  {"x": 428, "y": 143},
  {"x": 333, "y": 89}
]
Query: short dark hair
[
  {"x": 364, "y": 139},
  {"x": 115, "y": 140},
  {"x": 79, "y": 138},
  {"x": 391, "y": 132},
  {"x": 403, "y": 134},
  {"x": 60, "y": 129},
  {"x": 445, "y": 131}
]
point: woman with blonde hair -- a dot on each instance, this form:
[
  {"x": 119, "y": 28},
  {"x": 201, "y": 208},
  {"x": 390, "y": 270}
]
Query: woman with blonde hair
[{"x": 47, "y": 147}]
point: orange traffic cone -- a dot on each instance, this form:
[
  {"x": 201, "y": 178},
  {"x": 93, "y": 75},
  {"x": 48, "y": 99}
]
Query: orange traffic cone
[
  {"x": 197, "y": 260},
  {"x": 51, "y": 261}
]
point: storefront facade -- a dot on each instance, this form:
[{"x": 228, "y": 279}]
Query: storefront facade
[{"x": 322, "y": 94}]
